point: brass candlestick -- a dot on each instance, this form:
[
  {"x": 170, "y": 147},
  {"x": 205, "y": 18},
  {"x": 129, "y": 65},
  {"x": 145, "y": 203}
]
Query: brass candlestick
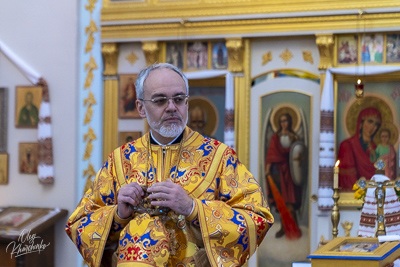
[{"x": 335, "y": 216}]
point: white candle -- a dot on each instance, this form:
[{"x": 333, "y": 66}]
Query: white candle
[{"x": 336, "y": 175}]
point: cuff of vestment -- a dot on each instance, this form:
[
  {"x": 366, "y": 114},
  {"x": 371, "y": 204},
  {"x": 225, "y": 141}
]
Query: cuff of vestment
[
  {"x": 119, "y": 220},
  {"x": 195, "y": 211}
]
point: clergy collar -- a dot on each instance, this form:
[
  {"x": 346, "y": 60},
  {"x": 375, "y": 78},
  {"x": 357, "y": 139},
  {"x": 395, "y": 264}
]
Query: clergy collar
[{"x": 154, "y": 141}]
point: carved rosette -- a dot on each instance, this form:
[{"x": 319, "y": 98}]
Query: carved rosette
[
  {"x": 151, "y": 52},
  {"x": 235, "y": 54},
  {"x": 110, "y": 56},
  {"x": 325, "y": 43}
]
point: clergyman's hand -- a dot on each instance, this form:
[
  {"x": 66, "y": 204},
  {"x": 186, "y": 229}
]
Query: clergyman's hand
[
  {"x": 171, "y": 195},
  {"x": 129, "y": 196}
]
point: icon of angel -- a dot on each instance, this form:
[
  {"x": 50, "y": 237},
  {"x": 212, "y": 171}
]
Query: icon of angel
[{"x": 286, "y": 163}]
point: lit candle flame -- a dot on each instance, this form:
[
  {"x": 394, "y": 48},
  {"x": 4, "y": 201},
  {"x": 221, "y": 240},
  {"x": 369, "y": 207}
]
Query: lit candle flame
[
  {"x": 359, "y": 81},
  {"x": 337, "y": 163}
]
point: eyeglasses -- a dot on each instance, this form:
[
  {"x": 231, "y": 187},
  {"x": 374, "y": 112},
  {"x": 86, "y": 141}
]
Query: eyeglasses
[{"x": 162, "y": 101}]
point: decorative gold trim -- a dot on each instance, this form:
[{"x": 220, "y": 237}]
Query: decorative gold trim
[
  {"x": 235, "y": 54},
  {"x": 90, "y": 101},
  {"x": 132, "y": 58},
  {"x": 325, "y": 43},
  {"x": 110, "y": 55},
  {"x": 347, "y": 200},
  {"x": 310, "y": 74},
  {"x": 110, "y": 117},
  {"x": 110, "y": 106},
  {"x": 307, "y": 57},
  {"x": 151, "y": 52},
  {"x": 347, "y": 227},
  {"x": 267, "y": 26},
  {"x": 149, "y": 9},
  {"x": 242, "y": 108},
  {"x": 286, "y": 56},
  {"x": 267, "y": 57}
]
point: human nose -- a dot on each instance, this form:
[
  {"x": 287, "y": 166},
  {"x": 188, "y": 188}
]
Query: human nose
[{"x": 171, "y": 104}]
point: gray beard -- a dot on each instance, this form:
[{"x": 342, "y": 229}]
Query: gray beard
[{"x": 170, "y": 131}]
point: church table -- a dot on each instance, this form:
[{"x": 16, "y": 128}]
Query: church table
[{"x": 27, "y": 236}]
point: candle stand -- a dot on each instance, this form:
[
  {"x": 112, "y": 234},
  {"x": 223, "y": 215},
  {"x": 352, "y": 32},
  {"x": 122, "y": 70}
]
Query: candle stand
[{"x": 335, "y": 216}]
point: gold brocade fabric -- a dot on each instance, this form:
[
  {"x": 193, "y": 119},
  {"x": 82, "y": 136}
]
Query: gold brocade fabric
[{"x": 229, "y": 221}]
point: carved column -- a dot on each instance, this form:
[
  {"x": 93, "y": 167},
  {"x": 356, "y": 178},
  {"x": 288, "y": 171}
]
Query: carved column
[
  {"x": 239, "y": 65},
  {"x": 235, "y": 54},
  {"x": 110, "y": 104},
  {"x": 326, "y": 44},
  {"x": 151, "y": 52}
]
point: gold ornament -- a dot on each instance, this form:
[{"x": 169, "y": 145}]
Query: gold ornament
[
  {"x": 90, "y": 135},
  {"x": 286, "y": 55},
  {"x": 307, "y": 56},
  {"x": 132, "y": 58},
  {"x": 267, "y": 57}
]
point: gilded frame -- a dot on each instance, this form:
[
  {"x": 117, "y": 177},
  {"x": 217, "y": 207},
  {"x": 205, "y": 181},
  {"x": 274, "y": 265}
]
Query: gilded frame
[
  {"x": 28, "y": 158},
  {"x": 27, "y": 104},
  {"x": 344, "y": 54},
  {"x": 392, "y": 53},
  {"x": 381, "y": 252},
  {"x": 346, "y": 199},
  {"x": 16, "y": 218},
  {"x": 376, "y": 49},
  {"x": 127, "y": 97},
  {"x": 3, "y": 119},
  {"x": 4, "y": 168}
]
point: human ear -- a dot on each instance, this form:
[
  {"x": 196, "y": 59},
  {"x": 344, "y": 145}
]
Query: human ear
[{"x": 140, "y": 108}]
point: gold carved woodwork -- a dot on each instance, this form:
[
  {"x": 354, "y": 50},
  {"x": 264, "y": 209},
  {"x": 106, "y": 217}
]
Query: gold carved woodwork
[
  {"x": 151, "y": 52},
  {"x": 90, "y": 101},
  {"x": 307, "y": 56},
  {"x": 110, "y": 116},
  {"x": 157, "y": 9},
  {"x": 132, "y": 57},
  {"x": 242, "y": 108},
  {"x": 325, "y": 43},
  {"x": 286, "y": 55},
  {"x": 235, "y": 54},
  {"x": 110, "y": 93},
  {"x": 347, "y": 227},
  {"x": 110, "y": 58},
  {"x": 267, "y": 57}
]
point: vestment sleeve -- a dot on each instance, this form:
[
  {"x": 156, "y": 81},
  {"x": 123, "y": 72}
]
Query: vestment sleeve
[
  {"x": 92, "y": 225},
  {"x": 236, "y": 221}
]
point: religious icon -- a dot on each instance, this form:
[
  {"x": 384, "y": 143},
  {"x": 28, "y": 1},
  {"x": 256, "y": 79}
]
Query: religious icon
[
  {"x": 347, "y": 49},
  {"x": 219, "y": 56},
  {"x": 3, "y": 119},
  {"x": 366, "y": 133},
  {"x": 358, "y": 247},
  {"x": 174, "y": 54},
  {"x": 197, "y": 56},
  {"x": 385, "y": 150},
  {"x": 127, "y": 137},
  {"x": 393, "y": 48},
  {"x": 127, "y": 97},
  {"x": 28, "y": 101},
  {"x": 3, "y": 169},
  {"x": 286, "y": 157},
  {"x": 28, "y": 158},
  {"x": 203, "y": 116},
  {"x": 13, "y": 218},
  {"x": 372, "y": 48}
]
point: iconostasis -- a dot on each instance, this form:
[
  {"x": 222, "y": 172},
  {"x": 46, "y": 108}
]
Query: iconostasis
[{"x": 278, "y": 65}]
